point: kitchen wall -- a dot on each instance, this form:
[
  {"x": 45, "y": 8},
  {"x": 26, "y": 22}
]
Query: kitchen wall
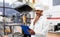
[{"x": 53, "y": 13}]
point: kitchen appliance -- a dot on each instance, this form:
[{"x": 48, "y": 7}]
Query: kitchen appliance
[{"x": 57, "y": 27}]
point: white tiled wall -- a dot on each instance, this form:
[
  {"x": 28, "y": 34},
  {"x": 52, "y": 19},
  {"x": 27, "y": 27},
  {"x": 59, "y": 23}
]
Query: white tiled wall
[
  {"x": 55, "y": 13},
  {"x": 52, "y": 12}
]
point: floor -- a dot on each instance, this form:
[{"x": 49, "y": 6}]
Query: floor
[{"x": 53, "y": 34}]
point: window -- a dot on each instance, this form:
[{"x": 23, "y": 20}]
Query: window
[
  {"x": 56, "y": 2},
  {"x": 6, "y": 9}
]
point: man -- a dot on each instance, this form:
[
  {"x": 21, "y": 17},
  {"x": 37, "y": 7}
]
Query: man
[{"x": 39, "y": 26}]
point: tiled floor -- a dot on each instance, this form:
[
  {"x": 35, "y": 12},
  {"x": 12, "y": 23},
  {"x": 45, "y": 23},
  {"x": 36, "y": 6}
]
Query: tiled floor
[{"x": 53, "y": 35}]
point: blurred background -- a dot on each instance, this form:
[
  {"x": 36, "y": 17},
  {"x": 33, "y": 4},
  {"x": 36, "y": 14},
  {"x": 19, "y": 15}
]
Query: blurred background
[{"x": 11, "y": 15}]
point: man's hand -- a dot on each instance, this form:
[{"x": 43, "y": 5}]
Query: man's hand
[
  {"x": 36, "y": 19},
  {"x": 31, "y": 32}
]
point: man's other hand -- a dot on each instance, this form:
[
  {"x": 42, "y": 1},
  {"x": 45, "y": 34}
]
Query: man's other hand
[{"x": 31, "y": 32}]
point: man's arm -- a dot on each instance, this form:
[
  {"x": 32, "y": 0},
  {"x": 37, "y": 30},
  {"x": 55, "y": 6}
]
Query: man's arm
[
  {"x": 36, "y": 19},
  {"x": 33, "y": 23}
]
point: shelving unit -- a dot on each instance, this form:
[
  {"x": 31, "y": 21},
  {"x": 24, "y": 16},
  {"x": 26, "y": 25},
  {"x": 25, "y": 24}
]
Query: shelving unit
[{"x": 9, "y": 22}]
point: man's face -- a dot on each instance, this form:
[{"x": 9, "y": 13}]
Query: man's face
[{"x": 39, "y": 12}]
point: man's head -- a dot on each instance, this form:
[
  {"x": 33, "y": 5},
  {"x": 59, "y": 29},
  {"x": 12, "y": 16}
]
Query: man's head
[
  {"x": 39, "y": 12},
  {"x": 39, "y": 9}
]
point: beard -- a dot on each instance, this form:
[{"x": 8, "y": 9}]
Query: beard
[{"x": 38, "y": 14}]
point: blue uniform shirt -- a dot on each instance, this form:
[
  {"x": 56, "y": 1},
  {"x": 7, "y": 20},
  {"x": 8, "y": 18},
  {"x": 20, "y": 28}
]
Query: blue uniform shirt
[{"x": 25, "y": 29}]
